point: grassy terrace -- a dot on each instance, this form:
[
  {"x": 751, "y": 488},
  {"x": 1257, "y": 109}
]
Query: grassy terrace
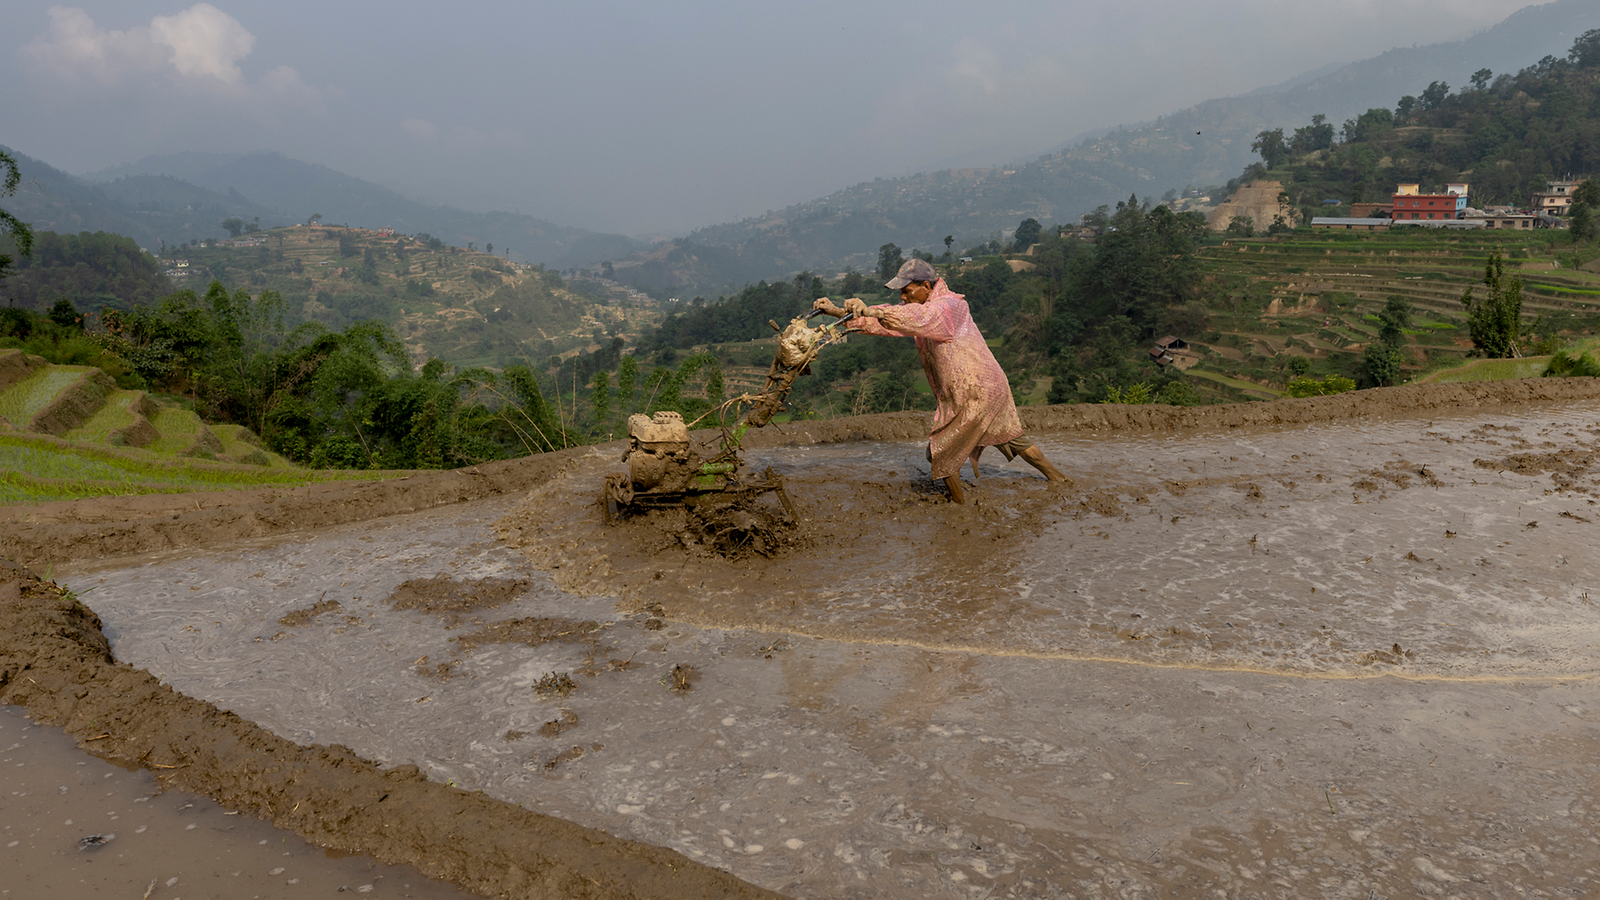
[
  {"x": 36, "y": 468},
  {"x": 1328, "y": 288},
  {"x": 113, "y": 415},
  {"x": 25, "y": 399}
]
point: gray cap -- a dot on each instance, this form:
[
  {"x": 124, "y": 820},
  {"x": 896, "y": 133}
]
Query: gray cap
[{"x": 913, "y": 270}]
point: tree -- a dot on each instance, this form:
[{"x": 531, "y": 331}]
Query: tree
[
  {"x": 1396, "y": 317},
  {"x": 890, "y": 260},
  {"x": 234, "y": 225},
  {"x": 1433, "y": 96},
  {"x": 1585, "y": 53},
  {"x": 1495, "y": 321},
  {"x": 948, "y": 240},
  {"x": 600, "y": 396},
  {"x": 19, "y": 232},
  {"x": 315, "y": 218},
  {"x": 1241, "y": 226},
  {"x": 1404, "y": 109},
  {"x": 489, "y": 249},
  {"x": 1380, "y": 364},
  {"x": 1271, "y": 146},
  {"x": 1580, "y": 216},
  {"x": 63, "y": 313},
  {"x": 627, "y": 379},
  {"x": 1027, "y": 234},
  {"x": 1316, "y": 136}
]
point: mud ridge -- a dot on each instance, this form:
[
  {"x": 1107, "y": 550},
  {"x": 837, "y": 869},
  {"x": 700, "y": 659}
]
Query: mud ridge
[
  {"x": 57, "y": 533},
  {"x": 56, "y": 662}
]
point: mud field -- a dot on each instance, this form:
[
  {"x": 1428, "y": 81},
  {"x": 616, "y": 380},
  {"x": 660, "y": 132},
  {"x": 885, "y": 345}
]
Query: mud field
[{"x": 1341, "y": 647}]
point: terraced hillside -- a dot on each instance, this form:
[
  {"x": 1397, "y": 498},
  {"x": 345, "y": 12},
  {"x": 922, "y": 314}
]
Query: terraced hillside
[
  {"x": 465, "y": 306},
  {"x": 69, "y": 432},
  {"x": 1316, "y": 295}
]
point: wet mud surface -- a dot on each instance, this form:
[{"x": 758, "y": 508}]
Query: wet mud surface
[
  {"x": 1279, "y": 653},
  {"x": 74, "y": 827}
]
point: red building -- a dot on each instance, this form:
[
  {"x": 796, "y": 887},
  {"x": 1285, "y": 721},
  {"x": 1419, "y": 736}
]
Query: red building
[{"x": 1411, "y": 203}]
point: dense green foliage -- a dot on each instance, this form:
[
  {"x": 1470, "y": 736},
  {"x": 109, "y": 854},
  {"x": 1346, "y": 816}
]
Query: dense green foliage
[
  {"x": 1506, "y": 135},
  {"x": 1080, "y": 311},
  {"x": 59, "y": 338},
  {"x": 1566, "y": 365},
  {"x": 343, "y": 399},
  {"x": 90, "y": 270},
  {"x": 1380, "y": 362},
  {"x": 12, "y": 230},
  {"x": 1495, "y": 319}
]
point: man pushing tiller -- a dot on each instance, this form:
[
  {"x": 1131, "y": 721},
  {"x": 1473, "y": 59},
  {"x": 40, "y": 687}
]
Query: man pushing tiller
[{"x": 975, "y": 406}]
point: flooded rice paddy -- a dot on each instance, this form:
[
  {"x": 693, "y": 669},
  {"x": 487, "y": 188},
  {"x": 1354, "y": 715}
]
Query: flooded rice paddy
[{"x": 1350, "y": 659}]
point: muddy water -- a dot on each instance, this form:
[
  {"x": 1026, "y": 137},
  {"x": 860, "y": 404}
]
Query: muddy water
[
  {"x": 1363, "y": 661},
  {"x": 74, "y": 827},
  {"x": 1464, "y": 543}
]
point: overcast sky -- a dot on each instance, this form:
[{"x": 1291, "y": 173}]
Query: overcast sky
[{"x": 652, "y": 118}]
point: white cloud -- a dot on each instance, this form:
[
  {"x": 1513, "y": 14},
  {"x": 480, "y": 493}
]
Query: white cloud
[
  {"x": 75, "y": 50},
  {"x": 204, "y": 42},
  {"x": 197, "y": 51}
]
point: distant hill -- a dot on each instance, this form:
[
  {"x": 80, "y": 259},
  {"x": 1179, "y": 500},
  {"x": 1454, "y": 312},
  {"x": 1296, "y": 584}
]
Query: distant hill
[
  {"x": 301, "y": 189},
  {"x": 91, "y": 270},
  {"x": 1203, "y": 145},
  {"x": 146, "y": 209},
  {"x": 465, "y": 307}
]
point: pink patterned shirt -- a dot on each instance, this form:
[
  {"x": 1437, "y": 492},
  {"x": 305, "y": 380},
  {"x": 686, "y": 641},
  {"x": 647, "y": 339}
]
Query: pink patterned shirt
[{"x": 975, "y": 405}]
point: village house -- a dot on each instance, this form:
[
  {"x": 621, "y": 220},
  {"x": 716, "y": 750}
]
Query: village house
[
  {"x": 1556, "y": 199},
  {"x": 1411, "y": 204},
  {"x": 1504, "y": 217},
  {"x": 1173, "y": 351}
]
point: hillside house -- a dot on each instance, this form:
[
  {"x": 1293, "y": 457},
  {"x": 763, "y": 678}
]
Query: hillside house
[
  {"x": 1506, "y": 219},
  {"x": 1557, "y": 198},
  {"x": 1411, "y": 204},
  {"x": 1173, "y": 351}
]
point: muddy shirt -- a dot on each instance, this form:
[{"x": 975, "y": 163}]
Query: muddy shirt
[{"x": 975, "y": 406}]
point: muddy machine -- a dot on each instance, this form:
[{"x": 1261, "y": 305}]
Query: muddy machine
[{"x": 666, "y": 469}]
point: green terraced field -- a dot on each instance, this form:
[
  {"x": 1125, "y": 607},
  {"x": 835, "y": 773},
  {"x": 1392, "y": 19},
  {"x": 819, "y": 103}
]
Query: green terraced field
[
  {"x": 1490, "y": 370},
  {"x": 1329, "y": 288},
  {"x": 84, "y": 463},
  {"x": 179, "y": 429},
  {"x": 113, "y": 415},
  {"x": 36, "y": 468},
  {"x": 23, "y": 400}
]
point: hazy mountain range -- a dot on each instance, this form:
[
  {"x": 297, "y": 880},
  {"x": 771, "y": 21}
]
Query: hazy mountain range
[
  {"x": 1206, "y": 144},
  {"x": 177, "y": 197},
  {"x": 181, "y": 196}
]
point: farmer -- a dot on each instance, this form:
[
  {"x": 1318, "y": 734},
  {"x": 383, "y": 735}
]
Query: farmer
[{"x": 975, "y": 407}]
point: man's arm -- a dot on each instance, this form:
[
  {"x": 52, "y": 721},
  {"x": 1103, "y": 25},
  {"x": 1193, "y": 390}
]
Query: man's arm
[{"x": 931, "y": 321}]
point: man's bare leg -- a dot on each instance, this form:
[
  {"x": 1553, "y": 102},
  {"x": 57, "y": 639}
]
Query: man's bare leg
[
  {"x": 1034, "y": 458},
  {"x": 957, "y": 494}
]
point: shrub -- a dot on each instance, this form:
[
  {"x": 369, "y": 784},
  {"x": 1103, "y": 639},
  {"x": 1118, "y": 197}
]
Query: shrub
[
  {"x": 1311, "y": 387},
  {"x": 1564, "y": 365}
]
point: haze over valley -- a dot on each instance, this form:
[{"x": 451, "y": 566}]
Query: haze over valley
[{"x": 729, "y": 130}]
